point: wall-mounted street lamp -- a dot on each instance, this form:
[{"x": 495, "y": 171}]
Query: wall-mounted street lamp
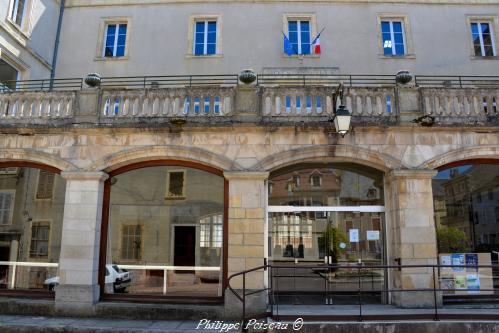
[{"x": 342, "y": 116}]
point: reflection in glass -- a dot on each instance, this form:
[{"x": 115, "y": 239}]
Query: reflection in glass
[
  {"x": 326, "y": 185},
  {"x": 31, "y": 214},
  {"x": 166, "y": 232},
  {"x": 466, "y": 211}
]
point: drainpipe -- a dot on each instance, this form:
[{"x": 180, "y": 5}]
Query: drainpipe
[{"x": 56, "y": 46}]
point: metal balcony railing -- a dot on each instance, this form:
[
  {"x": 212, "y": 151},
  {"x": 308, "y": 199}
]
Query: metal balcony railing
[{"x": 290, "y": 80}]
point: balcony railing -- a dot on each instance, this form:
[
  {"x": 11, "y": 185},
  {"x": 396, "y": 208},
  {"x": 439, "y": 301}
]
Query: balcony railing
[
  {"x": 37, "y": 105},
  {"x": 465, "y": 106},
  {"x": 172, "y": 102},
  {"x": 293, "y": 80},
  {"x": 372, "y": 100}
]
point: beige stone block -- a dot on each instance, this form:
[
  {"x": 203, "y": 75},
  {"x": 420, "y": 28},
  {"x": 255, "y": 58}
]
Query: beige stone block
[
  {"x": 425, "y": 250},
  {"x": 406, "y": 251},
  {"x": 418, "y": 218},
  {"x": 237, "y": 213},
  {"x": 253, "y": 239},
  {"x": 251, "y": 251},
  {"x": 417, "y": 235},
  {"x": 254, "y": 262},
  {"x": 246, "y": 225},
  {"x": 255, "y": 213},
  {"x": 235, "y": 201},
  {"x": 236, "y": 239},
  {"x": 236, "y": 264}
]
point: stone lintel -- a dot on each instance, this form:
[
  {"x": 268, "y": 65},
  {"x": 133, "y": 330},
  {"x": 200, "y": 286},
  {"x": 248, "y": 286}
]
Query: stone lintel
[
  {"x": 85, "y": 175},
  {"x": 246, "y": 175}
]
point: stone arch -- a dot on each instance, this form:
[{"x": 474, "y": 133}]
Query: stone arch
[
  {"x": 330, "y": 153},
  {"x": 33, "y": 156},
  {"x": 141, "y": 154},
  {"x": 485, "y": 152}
]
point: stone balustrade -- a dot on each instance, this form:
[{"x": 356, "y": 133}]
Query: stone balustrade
[
  {"x": 171, "y": 102},
  {"x": 370, "y": 106},
  {"x": 318, "y": 101},
  {"x": 370, "y": 102},
  {"x": 308, "y": 101},
  {"x": 472, "y": 106},
  {"x": 37, "y": 105}
]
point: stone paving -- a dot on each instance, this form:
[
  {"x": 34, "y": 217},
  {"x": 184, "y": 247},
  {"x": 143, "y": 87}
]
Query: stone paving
[{"x": 32, "y": 324}]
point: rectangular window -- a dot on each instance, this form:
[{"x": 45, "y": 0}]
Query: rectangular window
[
  {"x": 115, "y": 40},
  {"x": 45, "y": 187},
  {"x": 299, "y": 35},
  {"x": 39, "y": 246},
  {"x": 131, "y": 242},
  {"x": 392, "y": 33},
  {"x": 483, "y": 39},
  {"x": 6, "y": 203},
  {"x": 211, "y": 231},
  {"x": 17, "y": 14},
  {"x": 205, "y": 37},
  {"x": 175, "y": 185}
]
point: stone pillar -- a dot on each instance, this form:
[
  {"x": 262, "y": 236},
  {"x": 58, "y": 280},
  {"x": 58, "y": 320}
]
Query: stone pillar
[
  {"x": 79, "y": 291},
  {"x": 411, "y": 235},
  {"x": 247, "y": 204}
]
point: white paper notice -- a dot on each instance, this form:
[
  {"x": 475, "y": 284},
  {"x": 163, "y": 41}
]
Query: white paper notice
[
  {"x": 354, "y": 235},
  {"x": 372, "y": 235}
]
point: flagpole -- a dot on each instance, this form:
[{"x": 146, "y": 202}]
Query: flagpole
[{"x": 313, "y": 41}]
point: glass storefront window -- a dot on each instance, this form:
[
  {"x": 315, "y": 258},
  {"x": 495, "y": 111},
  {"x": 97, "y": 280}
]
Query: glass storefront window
[
  {"x": 322, "y": 216},
  {"x": 339, "y": 184},
  {"x": 31, "y": 214},
  {"x": 466, "y": 210},
  {"x": 165, "y": 232}
]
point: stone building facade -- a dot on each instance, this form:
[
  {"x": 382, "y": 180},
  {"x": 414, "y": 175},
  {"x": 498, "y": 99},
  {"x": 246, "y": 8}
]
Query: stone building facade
[{"x": 145, "y": 164}]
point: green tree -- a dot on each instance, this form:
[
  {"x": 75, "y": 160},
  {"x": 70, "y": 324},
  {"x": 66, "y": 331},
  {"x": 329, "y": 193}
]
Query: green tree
[
  {"x": 330, "y": 241},
  {"x": 452, "y": 240}
]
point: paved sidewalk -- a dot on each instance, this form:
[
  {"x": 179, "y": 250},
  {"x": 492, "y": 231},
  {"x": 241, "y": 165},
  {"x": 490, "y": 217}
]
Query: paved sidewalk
[{"x": 34, "y": 324}]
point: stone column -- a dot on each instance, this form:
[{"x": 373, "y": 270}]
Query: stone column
[
  {"x": 79, "y": 291},
  {"x": 411, "y": 235},
  {"x": 246, "y": 238}
]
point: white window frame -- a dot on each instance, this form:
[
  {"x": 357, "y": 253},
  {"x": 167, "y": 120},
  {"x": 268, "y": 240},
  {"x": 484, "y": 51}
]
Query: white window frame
[
  {"x": 13, "y": 12},
  {"x": 49, "y": 242},
  {"x": 100, "y": 53},
  {"x": 480, "y": 36},
  {"x": 116, "y": 35},
  {"x": 299, "y": 17},
  {"x": 122, "y": 244},
  {"x": 12, "y": 204},
  {"x": 191, "y": 38},
  {"x": 298, "y": 31},
  {"x": 406, "y": 35},
  {"x": 205, "y": 41},
  {"x": 392, "y": 37}
]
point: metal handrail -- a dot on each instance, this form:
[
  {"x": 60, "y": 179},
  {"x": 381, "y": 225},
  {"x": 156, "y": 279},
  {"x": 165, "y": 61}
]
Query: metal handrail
[
  {"x": 435, "y": 269},
  {"x": 288, "y": 80}
]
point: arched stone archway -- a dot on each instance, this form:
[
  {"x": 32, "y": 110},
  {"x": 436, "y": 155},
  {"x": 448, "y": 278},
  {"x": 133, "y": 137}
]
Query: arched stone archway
[
  {"x": 132, "y": 156},
  {"x": 469, "y": 153},
  {"x": 330, "y": 153},
  {"x": 33, "y": 156}
]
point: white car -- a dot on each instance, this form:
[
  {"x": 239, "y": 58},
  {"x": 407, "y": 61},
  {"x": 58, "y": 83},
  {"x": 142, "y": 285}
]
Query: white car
[{"x": 118, "y": 277}]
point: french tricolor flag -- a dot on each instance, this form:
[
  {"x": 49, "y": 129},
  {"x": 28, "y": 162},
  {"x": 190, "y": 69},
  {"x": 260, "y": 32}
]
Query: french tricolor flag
[{"x": 316, "y": 45}]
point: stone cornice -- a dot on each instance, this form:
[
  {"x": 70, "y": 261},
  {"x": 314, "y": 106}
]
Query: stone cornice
[{"x": 94, "y": 3}]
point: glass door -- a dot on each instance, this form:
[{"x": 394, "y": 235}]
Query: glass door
[{"x": 323, "y": 256}]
